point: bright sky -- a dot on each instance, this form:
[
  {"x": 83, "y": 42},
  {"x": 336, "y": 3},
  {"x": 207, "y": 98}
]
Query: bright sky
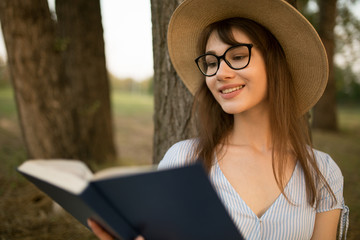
[{"x": 128, "y": 37}]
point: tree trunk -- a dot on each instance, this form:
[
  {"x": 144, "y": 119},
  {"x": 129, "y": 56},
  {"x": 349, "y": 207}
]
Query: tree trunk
[
  {"x": 173, "y": 102},
  {"x": 59, "y": 77},
  {"x": 325, "y": 114}
]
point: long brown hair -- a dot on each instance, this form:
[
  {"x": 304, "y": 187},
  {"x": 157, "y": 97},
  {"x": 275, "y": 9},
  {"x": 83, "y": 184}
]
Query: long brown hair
[{"x": 289, "y": 128}]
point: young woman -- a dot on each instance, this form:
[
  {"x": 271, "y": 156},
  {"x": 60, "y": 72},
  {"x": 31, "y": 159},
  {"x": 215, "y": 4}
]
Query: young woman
[{"x": 259, "y": 67}]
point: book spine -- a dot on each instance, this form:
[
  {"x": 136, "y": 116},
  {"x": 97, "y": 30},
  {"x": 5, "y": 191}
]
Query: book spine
[{"x": 89, "y": 204}]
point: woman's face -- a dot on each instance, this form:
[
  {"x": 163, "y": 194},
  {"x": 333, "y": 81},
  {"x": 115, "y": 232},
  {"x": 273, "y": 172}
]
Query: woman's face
[{"x": 238, "y": 91}]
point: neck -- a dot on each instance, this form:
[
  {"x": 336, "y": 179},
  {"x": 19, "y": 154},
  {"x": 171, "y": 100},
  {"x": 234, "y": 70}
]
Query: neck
[{"x": 252, "y": 129}]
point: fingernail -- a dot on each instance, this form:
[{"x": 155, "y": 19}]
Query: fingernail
[{"x": 89, "y": 222}]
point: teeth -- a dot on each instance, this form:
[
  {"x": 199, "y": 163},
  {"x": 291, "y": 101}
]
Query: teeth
[{"x": 229, "y": 90}]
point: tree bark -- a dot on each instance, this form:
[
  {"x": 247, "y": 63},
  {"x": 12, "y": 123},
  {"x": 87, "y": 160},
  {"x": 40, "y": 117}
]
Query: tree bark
[
  {"x": 59, "y": 77},
  {"x": 173, "y": 119},
  {"x": 325, "y": 112}
]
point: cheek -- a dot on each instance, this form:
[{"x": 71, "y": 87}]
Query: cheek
[
  {"x": 262, "y": 85},
  {"x": 261, "y": 75},
  {"x": 210, "y": 83}
]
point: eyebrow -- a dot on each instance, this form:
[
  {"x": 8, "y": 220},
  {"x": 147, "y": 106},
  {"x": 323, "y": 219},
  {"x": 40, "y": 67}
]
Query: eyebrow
[{"x": 213, "y": 52}]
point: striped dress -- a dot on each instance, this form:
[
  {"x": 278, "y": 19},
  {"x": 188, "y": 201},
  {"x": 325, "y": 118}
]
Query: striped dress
[{"x": 282, "y": 220}]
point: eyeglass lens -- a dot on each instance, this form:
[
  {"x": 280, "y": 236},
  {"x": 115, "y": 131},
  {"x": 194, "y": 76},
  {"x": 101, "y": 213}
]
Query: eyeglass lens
[{"x": 237, "y": 57}]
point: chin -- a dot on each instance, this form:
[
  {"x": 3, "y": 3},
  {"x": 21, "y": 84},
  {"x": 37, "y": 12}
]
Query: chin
[{"x": 232, "y": 109}]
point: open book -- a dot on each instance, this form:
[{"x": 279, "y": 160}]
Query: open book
[{"x": 171, "y": 204}]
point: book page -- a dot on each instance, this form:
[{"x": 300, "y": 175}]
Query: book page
[
  {"x": 123, "y": 171},
  {"x": 71, "y": 175}
]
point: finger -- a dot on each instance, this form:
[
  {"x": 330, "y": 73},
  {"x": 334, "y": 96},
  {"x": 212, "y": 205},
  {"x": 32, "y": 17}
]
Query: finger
[
  {"x": 99, "y": 231},
  {"x": 139, "y": 238}
]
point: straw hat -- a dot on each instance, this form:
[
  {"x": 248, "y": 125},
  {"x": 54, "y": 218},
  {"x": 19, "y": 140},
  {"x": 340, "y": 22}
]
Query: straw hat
[{"x": 304, "y": 50}]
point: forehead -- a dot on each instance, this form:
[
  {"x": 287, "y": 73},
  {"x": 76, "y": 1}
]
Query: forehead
[{"x": 217, "y": 43}]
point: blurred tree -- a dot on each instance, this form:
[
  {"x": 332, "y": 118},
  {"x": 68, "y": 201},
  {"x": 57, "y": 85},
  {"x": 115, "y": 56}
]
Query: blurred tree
[
  {"x": 348, "y": 35},
  {"x": 309, "y": 9},
  {"x": 173, "y": 102},
  {"x": 57, "y": 66},
  {"x": 147, "y": 86},
  {"x": 325, "y": 114},
  {"x": 347, "y": 85},
  {"x": 347, "y": 41},
  {"x": 130, "y": 85}
]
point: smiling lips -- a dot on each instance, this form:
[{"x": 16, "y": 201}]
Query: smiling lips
[{"x": 233, "y": 89}]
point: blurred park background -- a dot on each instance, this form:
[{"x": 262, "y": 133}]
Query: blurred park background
[{"x": 138, "y": 123}]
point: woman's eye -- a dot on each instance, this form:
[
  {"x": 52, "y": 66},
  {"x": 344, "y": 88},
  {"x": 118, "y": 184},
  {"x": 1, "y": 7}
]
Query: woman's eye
[
  {"x": 238, "y": 58},
  {"x": 211, "y": 64}
]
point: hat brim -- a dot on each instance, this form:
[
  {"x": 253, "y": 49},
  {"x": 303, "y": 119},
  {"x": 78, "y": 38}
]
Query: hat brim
[{"x": 305, "y": 53}]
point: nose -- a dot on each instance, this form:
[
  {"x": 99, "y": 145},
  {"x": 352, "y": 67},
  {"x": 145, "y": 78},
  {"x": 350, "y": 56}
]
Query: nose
[{"x": 224, "y": 72}]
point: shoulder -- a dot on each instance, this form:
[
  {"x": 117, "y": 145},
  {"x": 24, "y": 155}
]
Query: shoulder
[
  {"x": 180, "y": 154},
  {"x": 333, "y": 176}
]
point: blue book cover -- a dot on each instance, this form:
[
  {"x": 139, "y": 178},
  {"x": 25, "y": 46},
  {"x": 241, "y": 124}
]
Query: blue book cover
[{"x": 171, "y": 204}]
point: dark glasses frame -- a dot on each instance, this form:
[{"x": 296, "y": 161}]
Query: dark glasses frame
[{"x": 248, "y": 45}]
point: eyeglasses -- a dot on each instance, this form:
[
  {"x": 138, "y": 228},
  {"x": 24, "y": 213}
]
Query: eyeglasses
[{"x": 236, "y": 57}]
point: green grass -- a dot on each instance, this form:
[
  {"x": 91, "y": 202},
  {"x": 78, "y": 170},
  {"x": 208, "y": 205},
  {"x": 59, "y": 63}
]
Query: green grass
[
  {"x": 349, "y": 119},
  {"x": 123, "y": 103},
  {"x": 12, "y": 152},
  {"x": 131, "y": 104},
  {"x": 7, "y": 103}
]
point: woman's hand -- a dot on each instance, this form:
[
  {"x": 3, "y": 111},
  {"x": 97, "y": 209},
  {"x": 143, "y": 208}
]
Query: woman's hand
[{"x": 101, "y": 233}]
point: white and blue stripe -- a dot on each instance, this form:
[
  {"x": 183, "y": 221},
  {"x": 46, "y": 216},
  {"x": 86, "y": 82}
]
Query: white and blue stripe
[{"x": 282, "y": 220}]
